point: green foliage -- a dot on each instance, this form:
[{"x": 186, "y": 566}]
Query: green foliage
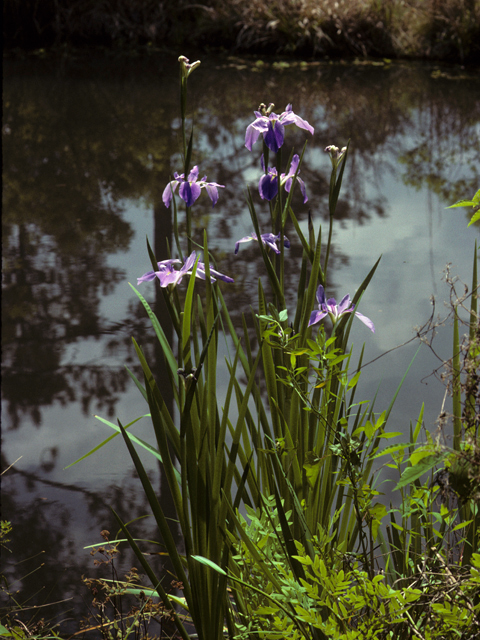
[
  {"x": 474, "y": 202},
  {"x": 336, "y": 597}
]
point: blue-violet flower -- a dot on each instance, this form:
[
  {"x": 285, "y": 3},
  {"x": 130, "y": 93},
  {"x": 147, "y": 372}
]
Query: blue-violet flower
[
  {"x": 269, "y": 240},
  {"x": 190, "y": 189},
  {"x": 268, "y": 184},
  {"x": 168, "y": 275},
  {"x": 272, "y": 126},
  {"x": 335, "y": 311}
]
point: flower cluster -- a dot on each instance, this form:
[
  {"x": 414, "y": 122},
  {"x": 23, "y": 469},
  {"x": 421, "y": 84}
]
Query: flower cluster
[{"x": 272, "y": 127}]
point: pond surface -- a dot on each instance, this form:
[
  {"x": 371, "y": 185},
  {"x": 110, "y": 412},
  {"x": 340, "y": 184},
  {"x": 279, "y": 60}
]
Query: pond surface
[{"x": 88, "y": 147}]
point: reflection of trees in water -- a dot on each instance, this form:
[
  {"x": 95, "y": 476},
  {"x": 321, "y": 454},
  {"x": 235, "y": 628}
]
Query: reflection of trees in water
[
  {"x": 77, "y": 143},
  {"x": 46, "y": 561},
  {"x": 73, "y": 149},
  {"x": 445, "y": 156}
]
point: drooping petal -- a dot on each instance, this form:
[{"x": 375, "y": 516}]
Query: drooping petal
[
  {"x": 189, "y": 192},
  {"x": 213, "y": 274},
  {"x": 275, "y": 135},
  {"x": 212, "y": 190},
  {"x": 258, "y": 126},
  {"x": 316, "y": 316},
  {"x": 168, "y": 192},
  {"x": 366, "y": 321},
  {"x": 221, "y": 276},
  {"x": 268, "y": 186},
  {"x": 288, "y": 186},
  {"x": 147, "y": 277},
  {"x": 200, "y": 272},
  {"x": 303, "y": 124},
  {"x": 302, "y": 189},
  {"x": 244, "y": 239}
]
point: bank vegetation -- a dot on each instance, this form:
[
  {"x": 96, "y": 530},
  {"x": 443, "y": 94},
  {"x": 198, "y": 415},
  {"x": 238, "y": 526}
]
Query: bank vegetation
[{"x": 447, "y": 30}]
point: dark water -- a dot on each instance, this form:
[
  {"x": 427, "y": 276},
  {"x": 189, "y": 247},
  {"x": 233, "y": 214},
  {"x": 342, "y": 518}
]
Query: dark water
[{"x": 88, "y": 147}]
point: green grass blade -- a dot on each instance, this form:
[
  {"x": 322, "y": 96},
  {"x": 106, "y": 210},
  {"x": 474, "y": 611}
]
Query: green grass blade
[
  {"x": 114, "y": 426},
  {"x": 167, "y": 351},
  {"x": 158, "y": 514}
]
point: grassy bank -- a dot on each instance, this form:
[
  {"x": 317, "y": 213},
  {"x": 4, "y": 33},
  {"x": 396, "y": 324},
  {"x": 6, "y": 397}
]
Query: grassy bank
[{"x": 447, "y": 30}]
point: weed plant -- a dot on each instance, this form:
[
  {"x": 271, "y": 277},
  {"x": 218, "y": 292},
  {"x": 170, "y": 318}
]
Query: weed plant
[{"x": 277, "y": 495}]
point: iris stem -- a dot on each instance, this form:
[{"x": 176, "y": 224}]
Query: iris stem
[
  {"x": 327, "y": 255},
  {"x": 280, "y": 225}
]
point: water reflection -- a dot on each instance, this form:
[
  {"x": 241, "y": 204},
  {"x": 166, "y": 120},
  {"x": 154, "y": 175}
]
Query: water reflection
[{"x": 88, "y": 149}]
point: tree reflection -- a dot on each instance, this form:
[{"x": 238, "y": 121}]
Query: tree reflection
[
  {"x": 78, "y": 144},
  {"x": 46, "y": 559}
]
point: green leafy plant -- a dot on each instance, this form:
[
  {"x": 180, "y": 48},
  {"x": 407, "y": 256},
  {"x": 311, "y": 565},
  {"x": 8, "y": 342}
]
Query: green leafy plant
[{"x": 474, "y": 202}]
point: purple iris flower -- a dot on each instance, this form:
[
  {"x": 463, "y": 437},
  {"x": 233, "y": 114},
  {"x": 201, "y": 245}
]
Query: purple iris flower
[
  {"x": 191, "y": 188},
  {"x": 168, "y": 275},
  {"x": 335, "y": 311},
  {"x": 272, "y": 127},
  {"x": 268, "y": 184},
  {"x": 268, "y": 239},
  {"x": 163, "y": 267}
]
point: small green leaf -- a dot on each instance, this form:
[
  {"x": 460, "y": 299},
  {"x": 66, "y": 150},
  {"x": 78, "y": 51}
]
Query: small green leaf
[
  {"x": 413, "y": 473},
  {"x": 475, "y": 218},
  {"x": 354, "y": 380}
]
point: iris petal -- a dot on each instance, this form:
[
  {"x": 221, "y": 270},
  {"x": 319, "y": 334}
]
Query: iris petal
[
  {"x": 315, "y": 317},
  {"x": 366, "y": 321},
  {"x": 268, "y": 186},
  {"x": 320, "y": 295},
  {"x": 344, "y": 305},
  {"x": 168, "y": 192},
  {"x": 189, "y": 192}
]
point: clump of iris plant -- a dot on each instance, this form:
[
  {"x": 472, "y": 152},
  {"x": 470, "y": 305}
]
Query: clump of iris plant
[
  {"x": 190, "y": 189},
  {"x": 335, "y": 311},
  {"x": 268, "y": 184},
  {"x": 272, "y": 126},
  {"x": 269, "y": 240},
  {"x": 167, "y": 274}
]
